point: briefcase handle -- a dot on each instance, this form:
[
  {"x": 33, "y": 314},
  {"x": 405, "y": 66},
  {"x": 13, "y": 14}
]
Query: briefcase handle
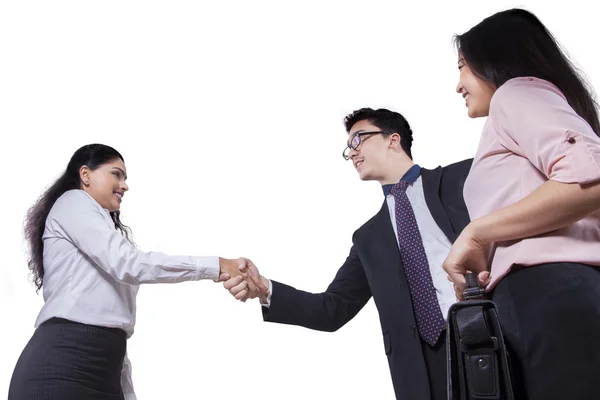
[{"x": 473, "y": 291}]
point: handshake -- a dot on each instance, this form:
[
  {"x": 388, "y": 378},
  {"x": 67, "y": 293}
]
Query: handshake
[{"x": 242, "y": 279}]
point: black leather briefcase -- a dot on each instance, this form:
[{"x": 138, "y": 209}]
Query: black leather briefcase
[{"x": 478, "y": 363}]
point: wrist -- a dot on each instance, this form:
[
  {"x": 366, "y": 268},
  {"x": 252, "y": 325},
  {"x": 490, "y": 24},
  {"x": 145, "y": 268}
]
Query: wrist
[
  {"x": 224, "y": 265},
  {"x": 480, "y": 230},
  {"x": 264, "y": 281},
  {"x": 264, "y": 298}
]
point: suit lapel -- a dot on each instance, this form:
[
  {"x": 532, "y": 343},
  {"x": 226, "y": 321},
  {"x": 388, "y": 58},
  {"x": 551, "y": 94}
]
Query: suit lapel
[
  {"x": 431, "y": 188},
  {"x": 383, "y": 232}
]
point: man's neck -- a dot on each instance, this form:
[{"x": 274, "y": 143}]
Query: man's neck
[{"x": 396, "y": 172}]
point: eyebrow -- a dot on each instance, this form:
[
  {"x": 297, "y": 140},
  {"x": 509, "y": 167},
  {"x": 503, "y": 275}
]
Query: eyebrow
[{"x": 123, "y": 172}]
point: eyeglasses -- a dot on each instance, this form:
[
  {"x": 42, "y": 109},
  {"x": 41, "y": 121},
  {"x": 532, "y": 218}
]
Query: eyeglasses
[{"x": 357, "y": 140}]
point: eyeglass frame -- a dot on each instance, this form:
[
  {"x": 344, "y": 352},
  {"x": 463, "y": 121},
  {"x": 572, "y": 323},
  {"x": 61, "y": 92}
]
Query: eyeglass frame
[{"x": 358, "y": 135}]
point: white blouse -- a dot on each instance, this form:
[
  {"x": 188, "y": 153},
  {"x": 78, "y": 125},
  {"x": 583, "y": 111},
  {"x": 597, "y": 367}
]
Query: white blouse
[{"x": 92, "y": 273}]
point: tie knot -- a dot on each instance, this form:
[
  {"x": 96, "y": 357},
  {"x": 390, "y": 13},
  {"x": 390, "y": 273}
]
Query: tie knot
[{"x": 400, "y": 187}]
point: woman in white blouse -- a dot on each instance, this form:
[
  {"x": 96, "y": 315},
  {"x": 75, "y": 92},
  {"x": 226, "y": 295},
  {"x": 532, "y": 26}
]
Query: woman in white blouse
[{"x": 90, "y": 271}]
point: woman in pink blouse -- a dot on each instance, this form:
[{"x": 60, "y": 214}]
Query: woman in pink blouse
[{"x": 534, "y": 200}]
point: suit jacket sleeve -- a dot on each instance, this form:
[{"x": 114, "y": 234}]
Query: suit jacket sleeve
[{"x": 327, "y": 311}]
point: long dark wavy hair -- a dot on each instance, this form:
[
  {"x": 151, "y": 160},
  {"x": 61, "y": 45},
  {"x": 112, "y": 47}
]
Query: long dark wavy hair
[
  {"x": 92, "y": 156},
  {"x": 514, "y": 43}
]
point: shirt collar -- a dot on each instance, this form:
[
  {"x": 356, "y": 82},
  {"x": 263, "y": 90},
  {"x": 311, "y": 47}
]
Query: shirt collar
[{"x": 410, "y": 176}]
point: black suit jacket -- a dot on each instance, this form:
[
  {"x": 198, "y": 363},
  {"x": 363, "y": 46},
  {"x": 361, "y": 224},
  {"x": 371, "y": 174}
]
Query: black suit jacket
[{"x": 374, "y": 268}]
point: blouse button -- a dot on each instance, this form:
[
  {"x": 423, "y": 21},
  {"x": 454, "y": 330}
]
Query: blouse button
[{"x": 571, "y": 140}]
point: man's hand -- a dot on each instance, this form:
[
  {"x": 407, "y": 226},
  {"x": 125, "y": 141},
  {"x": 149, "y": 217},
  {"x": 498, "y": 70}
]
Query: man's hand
[
  {"x": 245, "y": 281},
  {"x": 249, "y": 284}
]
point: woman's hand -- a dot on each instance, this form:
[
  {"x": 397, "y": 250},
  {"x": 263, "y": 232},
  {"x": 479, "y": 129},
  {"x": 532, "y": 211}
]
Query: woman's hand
[{"x": 467, "y": 254}]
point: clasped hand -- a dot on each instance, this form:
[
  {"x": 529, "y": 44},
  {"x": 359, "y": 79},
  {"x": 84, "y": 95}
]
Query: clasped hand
[
  {"x": 242, "y": 279},
  {"x": 467, "y": 255}
]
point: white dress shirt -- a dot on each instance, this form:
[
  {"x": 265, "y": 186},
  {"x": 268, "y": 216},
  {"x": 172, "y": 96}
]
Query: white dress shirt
[
  {"x": 436, "y": 244},
  {"x": 92, "y": 273}
]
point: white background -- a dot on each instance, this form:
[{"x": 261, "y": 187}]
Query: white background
[{"x": 229, "y": 116}]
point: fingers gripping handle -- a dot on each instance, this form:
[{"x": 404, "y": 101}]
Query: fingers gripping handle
[{"x": 473, "y": 291}]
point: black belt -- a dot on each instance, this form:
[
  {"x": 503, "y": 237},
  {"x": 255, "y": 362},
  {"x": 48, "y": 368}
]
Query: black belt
[{"x": 478, "y": 363}]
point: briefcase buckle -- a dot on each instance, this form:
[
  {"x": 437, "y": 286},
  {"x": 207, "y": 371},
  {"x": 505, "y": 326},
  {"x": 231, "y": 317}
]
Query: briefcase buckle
[{"x": 464, "y": 348}]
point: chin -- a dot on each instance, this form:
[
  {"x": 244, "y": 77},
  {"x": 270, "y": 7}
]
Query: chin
[
  {"x": 366, "y": 176},
  {"x": 476, "y": 113}
]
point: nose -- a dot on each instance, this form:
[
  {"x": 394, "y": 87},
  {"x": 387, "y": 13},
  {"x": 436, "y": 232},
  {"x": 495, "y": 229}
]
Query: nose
[
  {"x": 459, "y": 87},
  {"x": 352, "y": 153},
  {"x": 124, "y": 186}
]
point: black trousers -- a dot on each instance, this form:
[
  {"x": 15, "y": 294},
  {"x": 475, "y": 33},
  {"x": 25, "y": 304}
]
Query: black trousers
[
  {"x": 550, "y": 314},
  {"x": 435, "y": 360},
  {"x": 66, "y": 360}
]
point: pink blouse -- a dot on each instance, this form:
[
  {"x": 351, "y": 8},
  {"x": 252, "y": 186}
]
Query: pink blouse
[{"x": 530, "y": 136}]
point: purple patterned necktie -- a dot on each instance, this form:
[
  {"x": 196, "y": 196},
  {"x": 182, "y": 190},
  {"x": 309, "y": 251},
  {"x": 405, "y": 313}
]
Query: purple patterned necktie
[{"x": 430, "y": 320}]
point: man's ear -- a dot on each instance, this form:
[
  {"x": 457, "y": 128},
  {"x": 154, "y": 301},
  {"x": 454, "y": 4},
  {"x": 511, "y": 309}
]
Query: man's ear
[{"x": 395, "y": 141}]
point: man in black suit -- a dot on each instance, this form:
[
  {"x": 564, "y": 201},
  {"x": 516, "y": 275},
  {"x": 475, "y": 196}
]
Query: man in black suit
[{"x": 396, "y": 257}]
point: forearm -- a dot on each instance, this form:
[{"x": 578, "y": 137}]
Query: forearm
[
  {"x": 325, "y": 311},
  {"x": 154, "y": 267},
  {"x": 552, "y": 206}
]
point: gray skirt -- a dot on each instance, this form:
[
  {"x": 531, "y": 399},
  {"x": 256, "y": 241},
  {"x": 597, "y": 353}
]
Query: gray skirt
[{"x": 67, "y": 360}]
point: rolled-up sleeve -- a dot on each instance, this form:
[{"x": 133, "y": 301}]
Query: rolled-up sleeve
[{"x": 534, "y": 120}]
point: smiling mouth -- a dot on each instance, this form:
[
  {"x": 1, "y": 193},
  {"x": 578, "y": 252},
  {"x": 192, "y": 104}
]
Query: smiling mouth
[
  {"x": 358, "y": 164},
  {"x": 119, "y": 196}
]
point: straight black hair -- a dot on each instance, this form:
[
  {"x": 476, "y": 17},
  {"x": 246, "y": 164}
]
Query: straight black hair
[{"x": 514, "y": 43}]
